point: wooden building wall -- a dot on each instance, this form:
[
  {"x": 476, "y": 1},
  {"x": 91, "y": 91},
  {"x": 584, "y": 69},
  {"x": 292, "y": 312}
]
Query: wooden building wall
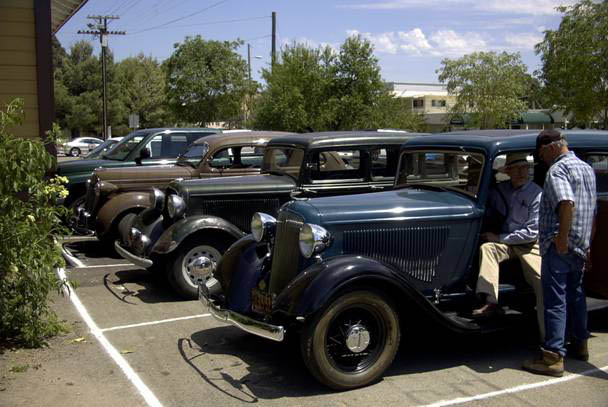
[{"x": 18, "y": 75}]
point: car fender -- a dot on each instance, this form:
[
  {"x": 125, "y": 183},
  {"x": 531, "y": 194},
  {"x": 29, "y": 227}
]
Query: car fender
[
  {"x": 175, "y": 234},
  {"x": 116, "y": 206},
  {"x": 315, "y": 287}
]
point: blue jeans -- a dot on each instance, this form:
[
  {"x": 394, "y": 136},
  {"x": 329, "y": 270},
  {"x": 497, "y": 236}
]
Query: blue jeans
[{"x": 563, "y": 295}]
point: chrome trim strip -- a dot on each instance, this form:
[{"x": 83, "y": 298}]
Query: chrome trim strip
[
  {"x": 138, "y": 261},
  {"x": 268, "y": 331}
]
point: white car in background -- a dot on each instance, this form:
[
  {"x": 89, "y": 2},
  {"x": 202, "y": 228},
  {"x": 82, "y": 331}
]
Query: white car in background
[{"x": 80, "y": 145}]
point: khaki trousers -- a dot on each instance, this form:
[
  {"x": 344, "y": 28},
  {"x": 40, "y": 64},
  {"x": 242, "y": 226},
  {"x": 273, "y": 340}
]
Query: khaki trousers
[{"x": 492, "y": 254}]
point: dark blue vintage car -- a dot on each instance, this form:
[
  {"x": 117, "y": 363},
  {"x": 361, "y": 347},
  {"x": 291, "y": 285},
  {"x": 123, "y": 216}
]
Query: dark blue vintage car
[{"x": 342, "y": 272}]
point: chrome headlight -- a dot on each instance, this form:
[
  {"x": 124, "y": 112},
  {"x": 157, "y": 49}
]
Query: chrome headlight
[
  {"x": 263, "y": 226},
  {"x": 157, "y": 199},
  {"x": 175, "y": 206},
  {"x": 313, "y": 240}
]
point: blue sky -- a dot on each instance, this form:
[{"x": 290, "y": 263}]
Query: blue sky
[{"x": 411, "y": 37}]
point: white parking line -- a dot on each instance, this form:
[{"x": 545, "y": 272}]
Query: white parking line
[
  {"x": 70, "y": 258},
  {"x": 162, "y": 321},
  {"x": 146, "y": 393},
  {"x": 516, "y": 389}
]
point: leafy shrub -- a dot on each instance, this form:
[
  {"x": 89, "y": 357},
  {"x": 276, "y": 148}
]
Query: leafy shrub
[{"x": 29, "y": 222}]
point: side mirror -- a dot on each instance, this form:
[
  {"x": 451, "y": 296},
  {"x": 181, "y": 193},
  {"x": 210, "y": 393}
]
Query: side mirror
[{"x": 143, "y": 154}]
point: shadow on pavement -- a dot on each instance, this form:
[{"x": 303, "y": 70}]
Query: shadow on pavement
[{"x": 149, "y": 288}]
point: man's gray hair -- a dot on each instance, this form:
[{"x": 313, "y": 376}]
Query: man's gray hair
[{"x": 560, "y": 143}]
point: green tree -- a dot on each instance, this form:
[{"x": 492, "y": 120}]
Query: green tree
[
  {"x": 206, "y": 81},
  {"x": 143, "y": 89},
  {"x": 319, "y": 89},
  {"x": 575, "y": 61},
  {"x": 296, "y": 92},
  {"x": 489, "y": 86}
]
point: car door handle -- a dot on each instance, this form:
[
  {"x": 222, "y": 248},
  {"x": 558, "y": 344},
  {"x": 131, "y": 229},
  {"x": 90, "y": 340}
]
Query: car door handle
[{"x": 377, "y": 187}]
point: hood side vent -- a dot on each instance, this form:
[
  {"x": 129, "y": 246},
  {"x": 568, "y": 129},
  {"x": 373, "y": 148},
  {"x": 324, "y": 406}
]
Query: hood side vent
[{"x": 415, "y": 250}]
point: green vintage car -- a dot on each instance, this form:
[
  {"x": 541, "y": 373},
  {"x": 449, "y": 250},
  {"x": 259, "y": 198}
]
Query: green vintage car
[{"x": 142, "y": 147}]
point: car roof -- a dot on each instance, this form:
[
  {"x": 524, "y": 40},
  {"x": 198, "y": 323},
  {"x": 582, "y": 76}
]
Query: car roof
[
  {"x": 252, "y": 137},
  {"x": 345, "y": 138},
  {"x": 494, "y": 141}
]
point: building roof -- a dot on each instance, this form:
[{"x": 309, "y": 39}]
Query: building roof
[
  {"x": 62, "y": 11},
  {"x": 410, "y": 89}
]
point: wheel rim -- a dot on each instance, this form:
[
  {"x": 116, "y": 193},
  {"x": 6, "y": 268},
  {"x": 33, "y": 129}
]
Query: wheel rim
[
  {"x": 74, "y": 152},
  {"x": 355, "y": 338},
  {"x": 208, "y": 251}
]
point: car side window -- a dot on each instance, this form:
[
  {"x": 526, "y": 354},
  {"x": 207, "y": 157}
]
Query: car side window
[
  {"x": 384, "y": 162},
  {"x": 252, "y": 156},
  {"x": 335, "y": 165},
  {"x": 173, "y": 145},
  {"x": 599, "y": 163},
  {"x": 154, "y": 145}
]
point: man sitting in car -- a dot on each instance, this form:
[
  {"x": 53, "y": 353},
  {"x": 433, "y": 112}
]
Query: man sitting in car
[{"x": 516, "y": 204}]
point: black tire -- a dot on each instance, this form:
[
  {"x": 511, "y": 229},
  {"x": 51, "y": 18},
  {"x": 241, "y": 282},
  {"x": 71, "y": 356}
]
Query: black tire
[
  {"x": 74, "y": 151},
  {"x": 324, "y": 346},
  {"x": 179, "y": 275}
]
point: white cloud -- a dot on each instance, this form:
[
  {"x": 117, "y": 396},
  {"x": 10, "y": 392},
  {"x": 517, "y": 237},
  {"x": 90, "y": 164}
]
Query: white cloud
[
  {"x": 415, "y": 42},
  {"x": 533, "y": 7},
  {"x": 525, "y": 41}
]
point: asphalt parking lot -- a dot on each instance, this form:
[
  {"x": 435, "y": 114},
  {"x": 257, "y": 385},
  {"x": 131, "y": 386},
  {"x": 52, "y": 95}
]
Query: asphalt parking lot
[{"x": 175, "y": 354}]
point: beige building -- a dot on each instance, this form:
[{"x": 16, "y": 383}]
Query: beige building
[
  {"x": 26, "y": 67},
  {"x": 433, "y": 101}
]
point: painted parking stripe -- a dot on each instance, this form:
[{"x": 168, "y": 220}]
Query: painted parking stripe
[
  {"x": 146, "y": 393},
  {"x": 71, "y": 259},
  {"x": 162, "y": 321},
  {"x": 516, "y": 389}
]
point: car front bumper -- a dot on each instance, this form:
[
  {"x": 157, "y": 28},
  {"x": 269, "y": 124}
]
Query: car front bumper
[
  {"x": 247, "y": 324},
  {"x": 127, "y": 255}
]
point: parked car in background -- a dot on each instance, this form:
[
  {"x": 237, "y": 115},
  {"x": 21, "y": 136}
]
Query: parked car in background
[
  {"x": 142, "y": 147},
  {"x": 343, "y": 273},
  {"x": 114, "y": 193},
  {"x": 104, "y": 147},
  {"x": 194, "y": 218},
  {"x": 79, "y": 146}
]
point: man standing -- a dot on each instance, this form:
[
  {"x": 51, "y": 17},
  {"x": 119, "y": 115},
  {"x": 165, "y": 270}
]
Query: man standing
[
  {"x": 517, "y": 203},
  {"x": 567, "y": 212}
]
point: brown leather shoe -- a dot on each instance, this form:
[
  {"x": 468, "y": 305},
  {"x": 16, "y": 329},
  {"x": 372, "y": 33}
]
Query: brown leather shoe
[
  {"x": 486, "y": 311},
  {"x": 547, "y": 363},
  {"x": 579, "y": 350}
]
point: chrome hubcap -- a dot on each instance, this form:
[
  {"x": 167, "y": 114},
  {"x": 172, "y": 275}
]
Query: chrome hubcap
[
  {"x": 190, "y": 268},
  {"x": 357, "y": 338}
]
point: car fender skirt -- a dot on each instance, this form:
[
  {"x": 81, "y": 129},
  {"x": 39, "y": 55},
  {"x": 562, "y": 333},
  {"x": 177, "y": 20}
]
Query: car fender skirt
[
  {"x": 315, "y": 286},
  {"x": 118, "y": 205},
  {"x": 175, "y": 234}
]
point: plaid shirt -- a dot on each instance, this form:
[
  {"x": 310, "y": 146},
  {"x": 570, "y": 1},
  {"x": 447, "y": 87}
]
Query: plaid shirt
[{"x": 568, "y": 179}]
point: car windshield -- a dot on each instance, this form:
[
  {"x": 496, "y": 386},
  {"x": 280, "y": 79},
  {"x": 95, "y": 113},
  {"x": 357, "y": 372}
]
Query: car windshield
[
  {"x": 459, "y": 171},
  {"x": 193, "y": 154},
  {"x": 104, "y": 147},
  {"x": 124, "y": 147},
  {"x": 283, "y": 160}
]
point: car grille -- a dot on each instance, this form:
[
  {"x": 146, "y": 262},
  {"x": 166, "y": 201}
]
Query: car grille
[
  {"x": 240, "y": 211},
  {"x": 414, "y": 250},
  {"x": 286, "y": 251},
  {"x": 91, "y": 199}
]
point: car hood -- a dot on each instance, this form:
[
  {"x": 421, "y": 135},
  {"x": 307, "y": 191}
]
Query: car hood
[
  {"x": 152, "y": 173},
  {"x": 407, "y": 203},
  {"x": 263, "y": 184}
]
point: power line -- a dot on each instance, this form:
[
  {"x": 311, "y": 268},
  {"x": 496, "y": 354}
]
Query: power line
[
  {"x": 183, "y": 18},
  {"x": 201, "y": 24}
]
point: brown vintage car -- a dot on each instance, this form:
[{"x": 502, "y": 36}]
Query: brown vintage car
[{"x": 114, "y": 193}]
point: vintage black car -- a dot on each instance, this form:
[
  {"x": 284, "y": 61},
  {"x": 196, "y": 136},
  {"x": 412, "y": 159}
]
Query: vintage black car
[
  {"x": 195, "y": 218},
  {"x": 343, "y": 272}
]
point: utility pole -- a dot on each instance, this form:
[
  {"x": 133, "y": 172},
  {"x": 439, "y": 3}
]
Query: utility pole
[
  {"x": 274, "y": 39},
  {"x": 249, "y": 59},
  {"x": 101, "y": 29}
]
